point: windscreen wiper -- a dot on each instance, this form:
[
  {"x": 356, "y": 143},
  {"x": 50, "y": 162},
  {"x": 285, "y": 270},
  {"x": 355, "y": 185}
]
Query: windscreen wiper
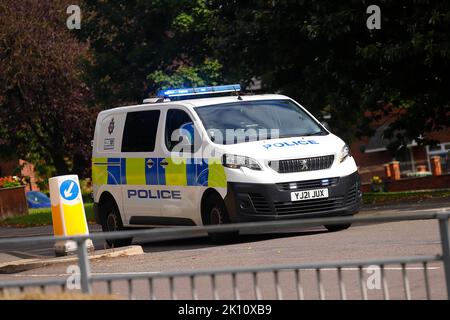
[{"x": 320, "y": 133}]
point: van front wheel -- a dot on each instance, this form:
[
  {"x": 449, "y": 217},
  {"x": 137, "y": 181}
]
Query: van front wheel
[
  {"x": 215, "y": 213},
  {"x": 337, "y": 227}
]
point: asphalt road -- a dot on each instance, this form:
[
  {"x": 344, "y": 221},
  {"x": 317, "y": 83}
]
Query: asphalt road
[{"x": 288, "y": 247}]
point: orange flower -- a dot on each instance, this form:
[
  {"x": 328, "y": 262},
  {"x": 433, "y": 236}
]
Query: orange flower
[{"x": 8, "y": 182}]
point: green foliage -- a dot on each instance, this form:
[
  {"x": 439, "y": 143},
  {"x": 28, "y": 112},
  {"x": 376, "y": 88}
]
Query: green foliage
[
  {"x": 10, "y": 182},
  {"x": 129, "y": 40},
  {"x": 208, "y": 73},
  {"x": 183, "y": 22},
  {"x": 86, "y": 190},
  {"x": 10, "y": 185},
  {"x": 321, "y": 53},
  {"x": 134, "y": 39}
]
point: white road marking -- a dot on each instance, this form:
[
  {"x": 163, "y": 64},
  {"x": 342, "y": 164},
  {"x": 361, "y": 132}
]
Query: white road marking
[{"x": 157, "y": 272}]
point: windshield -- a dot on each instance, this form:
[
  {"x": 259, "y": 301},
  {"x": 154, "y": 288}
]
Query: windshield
[{"x": 243, "y": 121}]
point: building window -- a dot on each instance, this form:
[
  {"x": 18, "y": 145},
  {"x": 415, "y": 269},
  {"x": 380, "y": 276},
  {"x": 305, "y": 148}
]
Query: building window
[{"x": 406, "y": 161}]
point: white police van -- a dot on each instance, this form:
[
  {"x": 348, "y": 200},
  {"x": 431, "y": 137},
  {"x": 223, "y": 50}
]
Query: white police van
[{"x": 209, "y": 155}]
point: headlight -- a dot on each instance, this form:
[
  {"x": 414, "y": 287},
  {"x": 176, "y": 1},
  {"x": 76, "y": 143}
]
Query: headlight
[
  {"x": 345, "y": 152},
  {"x": 235, "y": 162}
]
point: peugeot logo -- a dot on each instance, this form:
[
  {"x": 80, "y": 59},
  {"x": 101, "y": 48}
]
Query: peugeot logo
[{"x": 304, "y": 164}]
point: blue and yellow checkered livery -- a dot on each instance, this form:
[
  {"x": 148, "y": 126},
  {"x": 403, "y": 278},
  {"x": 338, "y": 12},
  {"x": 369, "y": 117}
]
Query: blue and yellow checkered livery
[{"x": 177, "y": 172}]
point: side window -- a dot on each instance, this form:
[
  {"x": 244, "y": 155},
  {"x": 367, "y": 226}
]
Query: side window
[
  {"x": 178, "y": 119},
  {"x": 139, "y": 134}
]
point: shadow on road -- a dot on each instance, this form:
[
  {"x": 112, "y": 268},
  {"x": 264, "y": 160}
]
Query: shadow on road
[{"x": 204, "y": 241}]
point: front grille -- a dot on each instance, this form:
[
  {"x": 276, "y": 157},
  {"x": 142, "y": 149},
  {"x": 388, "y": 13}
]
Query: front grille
[
  {"x": 351, "y": 196},
  {"x": 309, "y": 206},
  {"x": 301, "y": 165},
  {"x": 260, "y": 203},
  {"x": 308, "y": 184},
  {"x": 263, "y": 205}
]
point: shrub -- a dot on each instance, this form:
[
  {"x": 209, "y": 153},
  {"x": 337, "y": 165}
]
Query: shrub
[
  {"x": 376, "y": 184},
  {"x": 10, "y": 182}
]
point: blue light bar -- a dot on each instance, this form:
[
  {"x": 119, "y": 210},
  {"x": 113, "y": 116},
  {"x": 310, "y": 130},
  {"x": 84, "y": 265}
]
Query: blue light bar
[{"x": 167, "y": 93}]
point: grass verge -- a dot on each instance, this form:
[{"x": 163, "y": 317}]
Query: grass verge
[{"x": 41, "y": 217}]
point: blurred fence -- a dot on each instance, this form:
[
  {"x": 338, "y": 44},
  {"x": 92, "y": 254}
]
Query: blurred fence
[{"x": 298, "y": 281}]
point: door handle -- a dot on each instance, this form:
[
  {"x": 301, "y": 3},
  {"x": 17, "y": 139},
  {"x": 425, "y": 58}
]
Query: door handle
[
  {"x": 150, "y": 163},
  {"x": 164, "y": 163}
]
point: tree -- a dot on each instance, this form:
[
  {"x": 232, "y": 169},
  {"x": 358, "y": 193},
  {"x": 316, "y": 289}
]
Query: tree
[
  {"x": 42, "y": 111},
  {"x": 208, "y": 73},
  {"x": 322, "y": 53},
  {"x": 318, "y": 52},
  {"x": 133, "y": 39}
]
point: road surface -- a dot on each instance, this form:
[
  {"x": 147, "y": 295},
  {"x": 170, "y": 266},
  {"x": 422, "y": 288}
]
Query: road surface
[{"x": 367, "y": 241}]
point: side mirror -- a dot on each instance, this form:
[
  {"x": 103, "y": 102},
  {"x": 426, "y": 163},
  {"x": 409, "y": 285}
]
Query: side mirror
[{"x": 212, "y": 135}]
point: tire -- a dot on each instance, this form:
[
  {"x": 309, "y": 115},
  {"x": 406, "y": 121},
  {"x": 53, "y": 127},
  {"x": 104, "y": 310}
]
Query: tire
[
  {"x": 337, "y": 227},
  {"x": 214, "y": 213},
  {"x": 111, "y": 221}
]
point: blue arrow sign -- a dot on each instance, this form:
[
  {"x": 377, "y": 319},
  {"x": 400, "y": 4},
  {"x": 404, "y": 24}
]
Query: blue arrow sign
[{"x": 69, "y": 190}]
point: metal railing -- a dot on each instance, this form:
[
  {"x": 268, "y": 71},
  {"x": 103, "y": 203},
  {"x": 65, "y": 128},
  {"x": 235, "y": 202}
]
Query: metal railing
[{"x": 294, "y": 281}]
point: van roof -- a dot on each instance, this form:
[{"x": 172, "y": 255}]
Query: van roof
[{"x": 199, "y": 102}]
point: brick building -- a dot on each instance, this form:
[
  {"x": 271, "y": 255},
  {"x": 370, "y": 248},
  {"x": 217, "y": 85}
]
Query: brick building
[{"x": 371, "y": 156}]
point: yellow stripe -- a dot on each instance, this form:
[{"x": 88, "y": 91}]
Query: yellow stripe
[
  {"x": 135, "y": 171},
  {"x": 176, "y": 172},
  {"x": 99, "y": 171},
  {"x": 74, "y": 219},
  {"x": 100, "y": 160},
  {"x": 216, "y": 175}
]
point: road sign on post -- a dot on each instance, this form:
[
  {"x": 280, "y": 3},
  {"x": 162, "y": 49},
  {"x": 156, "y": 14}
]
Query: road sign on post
[{"x": 68, "y": 216}]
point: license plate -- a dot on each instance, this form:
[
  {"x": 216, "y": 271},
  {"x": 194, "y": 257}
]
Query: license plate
[{"x": 309, "y": 194}]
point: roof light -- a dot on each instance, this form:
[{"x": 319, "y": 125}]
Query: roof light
[{"x": 198, "y": 91}]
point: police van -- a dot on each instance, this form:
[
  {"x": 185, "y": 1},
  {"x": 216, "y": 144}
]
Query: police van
[{"x": 210, "y": 155}]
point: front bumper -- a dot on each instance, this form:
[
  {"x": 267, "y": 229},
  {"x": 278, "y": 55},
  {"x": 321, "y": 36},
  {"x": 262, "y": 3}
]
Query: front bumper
[{"x": 265, "y": 202}]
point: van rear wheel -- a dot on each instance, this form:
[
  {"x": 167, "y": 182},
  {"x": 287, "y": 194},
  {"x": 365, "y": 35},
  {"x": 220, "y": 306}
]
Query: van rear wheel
[
  {"x": 113, "y": 222},
  {"x": 215, "y": 213}
]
